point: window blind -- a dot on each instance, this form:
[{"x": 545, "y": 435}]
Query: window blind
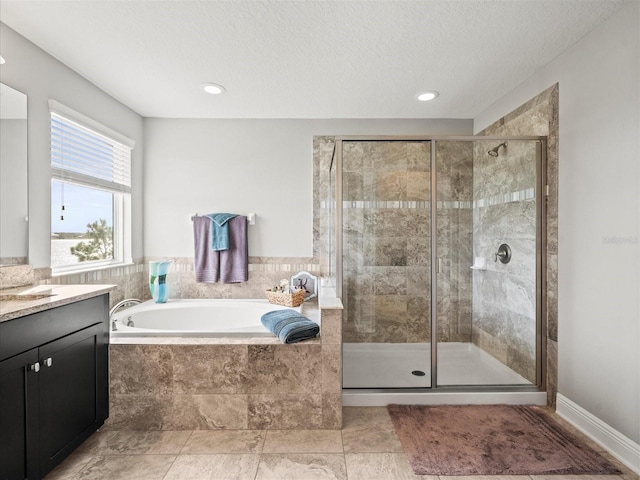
[{"x": 83, "y": 156}]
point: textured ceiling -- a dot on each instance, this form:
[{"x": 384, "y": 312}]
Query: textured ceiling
[{"x": 306, "y": 58}]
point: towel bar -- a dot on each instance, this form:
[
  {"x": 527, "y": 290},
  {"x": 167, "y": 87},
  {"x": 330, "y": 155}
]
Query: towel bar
[{"x": 251, "y": 218}]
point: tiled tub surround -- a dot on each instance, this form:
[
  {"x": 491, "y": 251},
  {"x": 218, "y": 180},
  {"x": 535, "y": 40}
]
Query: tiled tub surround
[{"x": 229, "y": 383}]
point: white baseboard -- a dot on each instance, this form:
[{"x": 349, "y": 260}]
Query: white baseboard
[{"x": 620, "y": 446}]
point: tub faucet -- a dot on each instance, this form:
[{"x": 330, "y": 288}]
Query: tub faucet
[{"x": 119, "y": 306}]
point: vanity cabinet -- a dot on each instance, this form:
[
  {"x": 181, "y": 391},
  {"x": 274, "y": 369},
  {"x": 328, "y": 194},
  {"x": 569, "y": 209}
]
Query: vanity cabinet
[
  {"x": 18, "y": 395},
  {"x": 53, "y": 385}
]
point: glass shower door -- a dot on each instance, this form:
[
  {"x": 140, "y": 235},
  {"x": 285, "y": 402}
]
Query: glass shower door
[
  {"x": 386, "y": 263},
  {"x": 487, "y": 254}
]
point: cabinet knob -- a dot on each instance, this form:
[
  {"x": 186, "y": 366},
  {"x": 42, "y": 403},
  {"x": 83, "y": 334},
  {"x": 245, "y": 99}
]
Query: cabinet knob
[
  {"x": 35, "y": 367},
  {"x": 48, "y": 362}
]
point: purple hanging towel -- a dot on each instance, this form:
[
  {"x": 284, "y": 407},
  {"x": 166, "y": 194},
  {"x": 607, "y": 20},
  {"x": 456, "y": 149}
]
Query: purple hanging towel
[{"x": 228, "y": 266}]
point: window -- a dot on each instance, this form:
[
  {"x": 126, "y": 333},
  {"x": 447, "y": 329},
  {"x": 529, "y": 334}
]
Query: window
[{"x": 90, "y": 193}]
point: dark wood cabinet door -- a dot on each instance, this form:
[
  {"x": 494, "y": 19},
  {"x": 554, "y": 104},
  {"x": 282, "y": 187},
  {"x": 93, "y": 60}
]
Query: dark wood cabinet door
[
  {"x": 69, "y": 410},
  {"x": 19, "y": 416},
  {"x": 47, "y": 411}
]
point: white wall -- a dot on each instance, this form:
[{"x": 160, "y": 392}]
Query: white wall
[
  {"x": 599, "y": 217},
  {"x": 241, "y": 166},
  {"x": 32, "y": 71}
]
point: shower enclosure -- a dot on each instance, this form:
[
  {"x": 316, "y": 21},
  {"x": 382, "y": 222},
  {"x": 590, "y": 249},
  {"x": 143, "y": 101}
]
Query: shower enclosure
[{"x": 438, "y": 259}]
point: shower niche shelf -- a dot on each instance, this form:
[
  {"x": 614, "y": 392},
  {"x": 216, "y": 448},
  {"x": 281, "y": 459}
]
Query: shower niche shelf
[{"x": 479, "y": 263}]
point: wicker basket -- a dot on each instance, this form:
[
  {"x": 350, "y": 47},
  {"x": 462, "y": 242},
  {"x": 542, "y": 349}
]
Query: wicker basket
[{"x": 294, "y": 299}]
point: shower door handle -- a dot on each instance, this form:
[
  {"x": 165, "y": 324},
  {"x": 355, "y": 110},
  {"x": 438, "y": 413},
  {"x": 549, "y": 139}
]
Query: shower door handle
[{"x": 438, "y": 265}]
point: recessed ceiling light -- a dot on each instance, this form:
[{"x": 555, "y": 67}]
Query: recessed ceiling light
[
  {"x": 427, "y": 96},
  {"x": 213, "y": 88}
]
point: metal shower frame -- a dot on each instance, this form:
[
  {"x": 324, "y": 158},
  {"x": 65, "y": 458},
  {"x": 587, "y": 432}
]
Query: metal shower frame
[{"x": 541, "y": 193}]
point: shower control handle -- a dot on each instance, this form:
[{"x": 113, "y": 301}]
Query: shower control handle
[{"x": 504, "y": 253}]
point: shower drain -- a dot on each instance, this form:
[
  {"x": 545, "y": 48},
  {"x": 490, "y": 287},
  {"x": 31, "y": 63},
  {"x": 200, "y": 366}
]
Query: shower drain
[{"x": 418, "y": 373}]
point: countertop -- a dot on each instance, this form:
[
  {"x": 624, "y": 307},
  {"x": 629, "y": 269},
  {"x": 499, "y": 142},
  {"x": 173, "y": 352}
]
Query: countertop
[{"x": 22, "y": 301}]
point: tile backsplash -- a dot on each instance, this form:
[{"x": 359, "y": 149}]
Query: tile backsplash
[
  {"x": 132, "y": 280},
  {"x": 264, "y": 273},
  {"x": 16, "y": 276}
]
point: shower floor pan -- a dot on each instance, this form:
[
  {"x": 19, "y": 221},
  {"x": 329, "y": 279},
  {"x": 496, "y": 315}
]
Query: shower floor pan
[
  {"x": 401, "y": 365},
  {"x": 381, "y": 374}
]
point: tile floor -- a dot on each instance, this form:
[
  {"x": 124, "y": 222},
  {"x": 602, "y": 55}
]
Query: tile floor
[{"x": 366, "y": 449}]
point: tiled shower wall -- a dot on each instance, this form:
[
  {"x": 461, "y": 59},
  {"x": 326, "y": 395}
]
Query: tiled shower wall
[
  {"x": 539, "y": 116},
  {"x": 386, "y": 241},
  {"x": 454, "y": 242},
  {"x": 387, "y": 235},
  {"x": 504, "y": 295}
]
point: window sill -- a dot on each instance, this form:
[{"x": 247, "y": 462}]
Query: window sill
[{"x": 62, "y": 271}]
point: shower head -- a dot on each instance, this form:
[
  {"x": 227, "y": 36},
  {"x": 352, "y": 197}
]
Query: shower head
[{"x": 494, "y": 151}]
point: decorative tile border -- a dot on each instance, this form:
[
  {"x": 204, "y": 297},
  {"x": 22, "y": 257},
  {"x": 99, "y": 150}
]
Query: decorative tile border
[
  {"x": 518, "y": 196},
  {"x": 526, "y": 194},
  {"x": 264, "y": 272},
  {"x": 256, "y": 264},
  {"x": 348, "y": 204}
]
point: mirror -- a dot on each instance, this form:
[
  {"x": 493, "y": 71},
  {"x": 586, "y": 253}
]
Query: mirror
[{"x": 14, "y": 227}]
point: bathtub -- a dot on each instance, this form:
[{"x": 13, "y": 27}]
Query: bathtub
[
  {"x": 194, "y": 318},
  {"x": 210, "y": 365}
]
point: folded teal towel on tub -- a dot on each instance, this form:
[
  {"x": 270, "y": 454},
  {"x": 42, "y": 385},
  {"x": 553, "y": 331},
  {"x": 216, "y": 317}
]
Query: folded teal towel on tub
[{"x": 289, "y": 325}]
